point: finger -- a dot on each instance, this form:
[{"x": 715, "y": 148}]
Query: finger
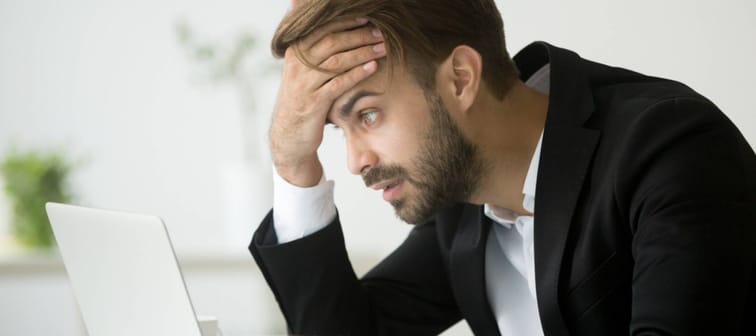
[
  {"x": 344, "y": 61},
  {"x": 331, "y": 27},
  {"x": 342, "y": 41},
  {"x": 340, "y": 84}
]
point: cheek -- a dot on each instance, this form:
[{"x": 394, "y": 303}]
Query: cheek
[{"x": 400, "y": 145}]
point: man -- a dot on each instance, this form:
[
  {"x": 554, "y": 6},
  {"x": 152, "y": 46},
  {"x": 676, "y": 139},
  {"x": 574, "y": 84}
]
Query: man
[{"x": 551, "y": 195}]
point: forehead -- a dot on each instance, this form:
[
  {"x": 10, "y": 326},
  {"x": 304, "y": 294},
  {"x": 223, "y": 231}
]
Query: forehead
[{"x": 395, "y": 84}]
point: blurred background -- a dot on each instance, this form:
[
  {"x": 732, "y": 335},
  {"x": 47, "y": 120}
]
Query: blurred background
[{"x": 162, "y": 107}]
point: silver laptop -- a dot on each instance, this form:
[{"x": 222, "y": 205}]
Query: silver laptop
[{"x": 123, "y": 271}]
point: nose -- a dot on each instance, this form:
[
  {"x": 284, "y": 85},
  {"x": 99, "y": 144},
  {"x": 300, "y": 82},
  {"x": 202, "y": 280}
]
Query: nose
[{"x": 359, "y": 157}]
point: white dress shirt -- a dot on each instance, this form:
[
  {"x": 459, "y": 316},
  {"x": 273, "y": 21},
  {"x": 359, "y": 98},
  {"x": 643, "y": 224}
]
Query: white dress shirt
[
  {"x": 510, "y": 269},
  {"x": 510, "y": 262}
]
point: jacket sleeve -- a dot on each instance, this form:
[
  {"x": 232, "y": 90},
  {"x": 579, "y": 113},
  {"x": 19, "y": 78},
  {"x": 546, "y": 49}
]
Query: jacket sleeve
[
  {"x": 691, "y": 187},
  {"x": 316, "y": 288}
]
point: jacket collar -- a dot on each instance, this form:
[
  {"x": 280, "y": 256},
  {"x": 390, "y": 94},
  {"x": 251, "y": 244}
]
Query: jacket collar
[
  {"x": 566, "y": 154},
  {"x": 467, "y": 262}
]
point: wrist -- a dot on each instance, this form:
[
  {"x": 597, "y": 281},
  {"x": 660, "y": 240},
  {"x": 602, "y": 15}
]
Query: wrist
[{"x": 304, "y": 174}]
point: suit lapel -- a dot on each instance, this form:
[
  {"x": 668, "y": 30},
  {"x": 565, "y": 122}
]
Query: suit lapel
[
  {"x": 468, "y": 276},
  {"x": 566, "y": 154},
  {"x": 565, "y": 157}
]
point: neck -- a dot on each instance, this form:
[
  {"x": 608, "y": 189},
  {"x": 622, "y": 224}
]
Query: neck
[{"x": 507, "y": 133}]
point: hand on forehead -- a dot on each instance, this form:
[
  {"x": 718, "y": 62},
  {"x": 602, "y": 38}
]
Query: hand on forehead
[{"x": 373, "y": 86}]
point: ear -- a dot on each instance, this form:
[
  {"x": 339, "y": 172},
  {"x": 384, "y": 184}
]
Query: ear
[{"x": 459, "y": 78}]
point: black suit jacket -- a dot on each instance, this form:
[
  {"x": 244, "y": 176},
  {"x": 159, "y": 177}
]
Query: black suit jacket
[{"x": 645, "y": 224}]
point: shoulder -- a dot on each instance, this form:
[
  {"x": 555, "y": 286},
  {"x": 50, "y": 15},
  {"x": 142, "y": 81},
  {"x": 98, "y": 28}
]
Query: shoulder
[{"x": 639, "y": 114}]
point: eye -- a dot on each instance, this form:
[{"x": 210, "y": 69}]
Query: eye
[{"x": 369, "y": 117}]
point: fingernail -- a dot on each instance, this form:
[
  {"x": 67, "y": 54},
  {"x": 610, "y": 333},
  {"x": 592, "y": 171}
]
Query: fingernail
[
  {"x": 379, "y": 48},
  {"x": 377, "y": 33},
  {"x": 361, "y": 20},
  {"x": 369, "y": 66}
]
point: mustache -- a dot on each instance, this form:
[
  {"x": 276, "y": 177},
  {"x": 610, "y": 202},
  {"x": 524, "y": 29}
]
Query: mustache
[{"x": 378, "y": 174}]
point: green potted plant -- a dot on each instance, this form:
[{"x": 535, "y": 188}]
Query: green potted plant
[{"x": 32, "y": 179}]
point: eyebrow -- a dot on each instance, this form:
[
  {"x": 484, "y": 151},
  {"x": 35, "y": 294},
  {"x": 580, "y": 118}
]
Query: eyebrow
[{"x": 347, "y": 108}]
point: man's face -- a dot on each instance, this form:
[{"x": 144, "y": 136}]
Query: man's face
[{"x": 403, "y": 141}]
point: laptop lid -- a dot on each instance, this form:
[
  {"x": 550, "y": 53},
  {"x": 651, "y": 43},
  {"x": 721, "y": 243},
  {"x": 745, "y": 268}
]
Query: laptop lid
[{"x": 123, "y": 271}]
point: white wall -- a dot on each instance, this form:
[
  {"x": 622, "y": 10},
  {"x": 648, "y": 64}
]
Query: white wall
[{"x": 106, "y": 80}]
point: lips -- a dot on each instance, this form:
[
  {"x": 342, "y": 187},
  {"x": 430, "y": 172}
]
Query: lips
[{"x": 385, "y": 184}]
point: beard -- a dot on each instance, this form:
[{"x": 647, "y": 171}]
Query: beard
[{"x": 447, "y": 169}]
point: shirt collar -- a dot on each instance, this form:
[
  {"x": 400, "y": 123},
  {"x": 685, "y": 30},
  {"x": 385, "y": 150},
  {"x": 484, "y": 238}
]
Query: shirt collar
[{"x": 529, "y": 187}]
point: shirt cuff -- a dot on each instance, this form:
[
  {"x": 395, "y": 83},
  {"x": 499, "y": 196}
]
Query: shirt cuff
[{"x": 299, "y": 212}]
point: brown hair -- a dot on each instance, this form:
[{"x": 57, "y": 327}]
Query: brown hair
[{"x": 418, "y": 34}]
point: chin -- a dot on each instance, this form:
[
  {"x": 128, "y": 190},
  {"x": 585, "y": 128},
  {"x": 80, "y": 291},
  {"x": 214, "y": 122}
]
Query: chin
[{"x": 409, "y": 214}]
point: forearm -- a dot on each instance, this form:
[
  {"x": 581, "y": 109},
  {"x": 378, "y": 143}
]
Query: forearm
[
  {"x": 302, "y": 252},
  {"x": 313, "y": 281}
]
